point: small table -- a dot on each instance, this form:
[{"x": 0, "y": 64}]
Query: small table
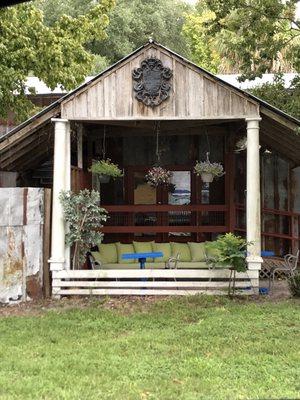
[
  {"x": 270, "y": 261},
  {"x": 141, "y": 257}
]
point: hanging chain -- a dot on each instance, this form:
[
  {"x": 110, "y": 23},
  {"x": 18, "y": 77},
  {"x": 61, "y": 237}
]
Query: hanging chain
[
  {"x": 208, "y": 146},
  {"x": 157, "y": 128},
  {"x": 104, "y": 143}
]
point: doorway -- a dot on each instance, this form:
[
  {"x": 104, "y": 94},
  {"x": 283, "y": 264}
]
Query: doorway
[{"x": 182, "y": 192}]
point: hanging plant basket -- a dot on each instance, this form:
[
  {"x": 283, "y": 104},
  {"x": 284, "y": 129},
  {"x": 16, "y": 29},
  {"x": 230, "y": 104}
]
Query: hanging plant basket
[
  {"x": 159, "y": 176},
  {"x": 105, "y": 170},
  {"x": 208, "y": 170},
  {"x": 103, "y": 178},
  {"x": 207, "y": 177},
  {"x": 241, "y": 144}
]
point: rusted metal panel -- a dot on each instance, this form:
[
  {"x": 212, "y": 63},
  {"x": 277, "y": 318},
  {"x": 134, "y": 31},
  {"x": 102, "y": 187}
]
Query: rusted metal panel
[{"x": 21, "y": 243}]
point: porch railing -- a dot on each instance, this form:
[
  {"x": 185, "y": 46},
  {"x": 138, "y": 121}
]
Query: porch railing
[
  {"x": 163, "y": 218},
  {"x": 276, "y": 224}
]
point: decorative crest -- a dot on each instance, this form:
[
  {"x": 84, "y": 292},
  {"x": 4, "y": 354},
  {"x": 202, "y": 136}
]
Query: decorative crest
[{"x": 152, "y": 85}]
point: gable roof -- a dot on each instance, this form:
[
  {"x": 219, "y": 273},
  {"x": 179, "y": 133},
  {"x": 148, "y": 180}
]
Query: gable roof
[
  {"x": 54, "y": 110},
  {"x": 54, "y": 106}
]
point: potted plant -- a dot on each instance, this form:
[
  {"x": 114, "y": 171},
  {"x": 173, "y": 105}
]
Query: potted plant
[
  {"x": 230, "y": 251},
  {"x": 105, "y": 170},
  {"x": 208, "y": 170},
  {"x": 84, "y": 218},
  {"x": 158, "y": 176}
]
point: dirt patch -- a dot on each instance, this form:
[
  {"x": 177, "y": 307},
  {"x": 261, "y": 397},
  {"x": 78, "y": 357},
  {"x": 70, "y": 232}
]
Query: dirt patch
[
  {"x": 279, "y": 291},
  {"x": 124, "y": 304}
]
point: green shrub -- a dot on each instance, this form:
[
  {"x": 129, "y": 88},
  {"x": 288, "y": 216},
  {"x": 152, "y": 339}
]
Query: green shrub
[
  {"x": 84, "y": 217},
  {"x": 231, "y": 251},
  {"x": 294, "y": 285}
]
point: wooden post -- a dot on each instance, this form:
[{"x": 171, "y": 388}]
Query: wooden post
[
  {"x": 294, "y": 219},
  {"x": 79, "y": 146},
  {"x": 229, "y": 186}
]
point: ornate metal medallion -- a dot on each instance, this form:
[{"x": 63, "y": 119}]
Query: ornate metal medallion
[{"x": 152, "y": 85}]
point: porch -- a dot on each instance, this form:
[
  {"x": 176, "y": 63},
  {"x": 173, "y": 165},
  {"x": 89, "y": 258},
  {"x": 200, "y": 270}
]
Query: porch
[
  {"x": 258, "y": 197},
  {"x": 193, "y": 210}
]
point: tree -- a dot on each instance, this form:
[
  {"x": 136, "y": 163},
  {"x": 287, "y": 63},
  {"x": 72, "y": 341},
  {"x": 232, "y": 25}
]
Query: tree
[
  {"x": 259, "y": 32},
  {"x": 203, "y": 47},
  {"x": 132, "y": 22},
  {"x": 57, "y": 54},
  {"x": 253, "y": 37},
  {"x": 286, "y": 99},
  {"x": 84, "y": 218}
]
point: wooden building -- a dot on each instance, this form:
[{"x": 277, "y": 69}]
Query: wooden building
[{"x": 193, "y": 113}]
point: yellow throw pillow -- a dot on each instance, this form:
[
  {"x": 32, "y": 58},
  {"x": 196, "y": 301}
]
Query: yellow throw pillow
[
  {"x": 97, "y": 257},
  {"x": 165, "y": 248},
  {"x": 183, "y": 250},
  {"x": 143, "y": 247},
  {"x": 197, "y": 251},
  {"x": 123, "y": 249},
  {"x": 108, "y": 253}
]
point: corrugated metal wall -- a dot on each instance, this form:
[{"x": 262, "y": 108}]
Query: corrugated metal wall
[{"x": 21, "y": 243}]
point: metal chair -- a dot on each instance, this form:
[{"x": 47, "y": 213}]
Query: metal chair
[
  {"x": 93, "y": 263},
  {"x": 288, "y": 266},
  {"x": 172, "y": 262}
]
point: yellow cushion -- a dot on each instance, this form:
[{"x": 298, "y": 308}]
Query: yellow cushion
[
  {"x": 143, "y": 247},
  {"x": 165, "y": 248},
  {"x": 98, "y": 258},
  {"x": 182, "y": 249},
  {"x": 108, "y": 253},
  {"x": 123, "y": 249},
  {"x": 197, "y": 251}
]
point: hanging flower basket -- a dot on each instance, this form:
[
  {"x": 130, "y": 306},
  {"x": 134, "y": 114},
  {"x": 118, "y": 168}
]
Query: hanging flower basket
[
  {"x": 158, "y": 176},
  {"x": 208, "y": 171},
  {"x": 106, "y": 170},
  {"x": 241, "y": 144},
  {"x": 207, "y": 177},
  {"x": 103, "y": 178}
]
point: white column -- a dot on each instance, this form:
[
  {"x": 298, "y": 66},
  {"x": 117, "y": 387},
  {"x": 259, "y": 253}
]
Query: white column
[
  {"x": 61, "y": 181},
  {"x": 253, "y": 206}
]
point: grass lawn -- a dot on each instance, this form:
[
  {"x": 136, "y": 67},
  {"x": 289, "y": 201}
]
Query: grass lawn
[{"x": 187, "y": 348}]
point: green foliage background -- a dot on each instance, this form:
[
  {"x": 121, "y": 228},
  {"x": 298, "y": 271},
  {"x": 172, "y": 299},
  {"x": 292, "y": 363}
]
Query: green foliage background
[{"x": 56, "y": 54}]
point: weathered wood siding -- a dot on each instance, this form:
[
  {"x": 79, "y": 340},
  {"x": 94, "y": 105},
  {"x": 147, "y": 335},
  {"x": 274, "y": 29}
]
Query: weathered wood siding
[{"x": 194, "y": 95}]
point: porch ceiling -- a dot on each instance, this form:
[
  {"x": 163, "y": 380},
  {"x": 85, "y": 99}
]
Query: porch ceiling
[{"x": 29, "y": 149}]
